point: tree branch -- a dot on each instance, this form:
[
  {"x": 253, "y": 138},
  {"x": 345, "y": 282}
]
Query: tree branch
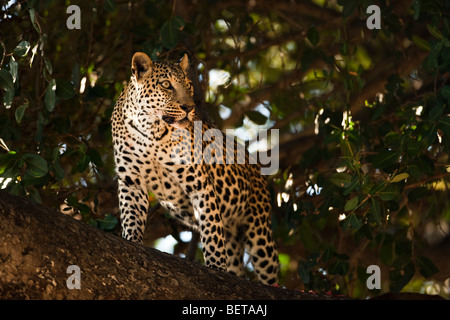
[{"x": 38, "y": 244}]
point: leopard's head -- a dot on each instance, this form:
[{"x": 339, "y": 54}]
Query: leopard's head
[{"x": 163, "y": 89}]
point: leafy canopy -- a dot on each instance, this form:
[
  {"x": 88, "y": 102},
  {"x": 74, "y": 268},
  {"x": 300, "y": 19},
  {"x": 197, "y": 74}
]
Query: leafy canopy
[{"x": 363, "y": 117}]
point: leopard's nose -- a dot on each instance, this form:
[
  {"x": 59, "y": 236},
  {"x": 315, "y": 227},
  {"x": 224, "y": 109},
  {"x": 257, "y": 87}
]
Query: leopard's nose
[{"x": 187, "y": 108}]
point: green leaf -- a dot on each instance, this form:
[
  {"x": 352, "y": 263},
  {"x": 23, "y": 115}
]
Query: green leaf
[
  {"x": 13, "y": 69},
  {"x": 85, "y": 210},
  {"x": 444, "y": 125},
  {"x": 57, "y": 170},
  {"x": 64, "y": 89},
  {"x": 431, "y": 61},
  {"x": 340, "y": 267},
  {"x": 22, "y": 49},
  {"x": 392, "y": 139},
  {"x": 303, "y": 272},
  {"x": 399, "y": 177},
  {"x": 33, "y": 20},
  {"x": 50, "y": 96},
  {"x": 430, "y": 135},
  {"x": 56, "y": 165},
  {"x": 170, "y": 32},
  {"x": 6, "y": 83},
  {"x": 341, "y": 179},
  {"x": 20, "y": 111},
  {"x": 256, "y": 117},
  {"x": 421, "y": 43},
  {"x": 351, "y": 204},
  {"x": 313, "y": 36},
  {"x": 374, "y": 189},
  {"x": 151, "y": 50},
  {"x": 388, "y": 193},
  {"x": 375, "y": 211},
  {"x": 445, "y": 93},
  {"x": 327, "y": 254},
  {"x": 435, "y": 32},
  {"x": 110, "y": 5},
  {"x": 436, "y": 112},
  {"x": 412, "y": 148},
  {"x": 400, "y": 277},
  {"x": 348, "y": 7},
  {"x": 426, "y": 165},
  {"x": 48, "y": 65},
  {"x": 7, "y": 161},
  {"x": 6, "y": 80},
  {"x": 306, "y": 265},
  {"x": 354, "y": 184},
  {"x": 352, "y": 221},
  {"x": 95, "y": 157},
  {"x": 107, "y": 223},
  {"x": 386, "y": 159},
  {"x": 36, "y": 165},
  {"x": 416, "y": 7},
  {"x": 75, "y": 78},
  {"x": 8, "y": 98},
  {"x": 426, "y": 267},
  {"x": 83, "y": 163}
]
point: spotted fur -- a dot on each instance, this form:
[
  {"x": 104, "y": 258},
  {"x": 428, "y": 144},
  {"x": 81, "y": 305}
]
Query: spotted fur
[{"x": 229, "y": 204}]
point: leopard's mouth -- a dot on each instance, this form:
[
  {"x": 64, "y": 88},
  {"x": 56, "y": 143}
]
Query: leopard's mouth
[
  {"x": 184, "y": 123},
  {"x": 179, "y": 122},
  {"x": 168, "y": 119},
  {"x": 174, "y": 122}
]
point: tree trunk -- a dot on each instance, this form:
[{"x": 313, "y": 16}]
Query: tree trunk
[{"x": 38, "y": 244}]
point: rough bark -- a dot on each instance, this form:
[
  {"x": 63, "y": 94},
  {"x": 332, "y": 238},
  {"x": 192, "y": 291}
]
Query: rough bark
[{"x": 38, "y": 244}]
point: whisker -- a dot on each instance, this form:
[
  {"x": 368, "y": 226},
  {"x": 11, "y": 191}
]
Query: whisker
[{"x": 172, "y": 113}]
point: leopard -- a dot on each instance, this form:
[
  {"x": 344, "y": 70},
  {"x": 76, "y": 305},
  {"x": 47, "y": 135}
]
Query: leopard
[{"x": 155, "y": 129}]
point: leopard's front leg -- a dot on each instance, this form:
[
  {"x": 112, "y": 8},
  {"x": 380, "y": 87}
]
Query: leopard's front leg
[
  {"x": 211, "y": 228},
  {"x": 133, "y": 203},
  {"x": 198, "y": 187}
]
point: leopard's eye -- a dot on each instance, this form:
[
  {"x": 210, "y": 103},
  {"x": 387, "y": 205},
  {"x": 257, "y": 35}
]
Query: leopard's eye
[
  {"x": 189, "y": 87},
  {"x": 166, "y": 84}
]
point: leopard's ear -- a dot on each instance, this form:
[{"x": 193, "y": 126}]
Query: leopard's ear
[
  {"x": 140, "y": 65},
  {"x": 184, "y": 64}
]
